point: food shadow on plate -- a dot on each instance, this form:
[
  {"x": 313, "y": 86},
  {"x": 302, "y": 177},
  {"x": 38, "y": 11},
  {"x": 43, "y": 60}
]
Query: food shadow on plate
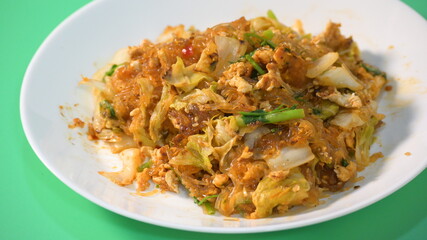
[{"x": 399, "y": 111}]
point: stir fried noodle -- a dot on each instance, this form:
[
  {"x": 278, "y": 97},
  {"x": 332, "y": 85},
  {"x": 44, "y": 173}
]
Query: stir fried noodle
[{"x": 251, "y": 117}]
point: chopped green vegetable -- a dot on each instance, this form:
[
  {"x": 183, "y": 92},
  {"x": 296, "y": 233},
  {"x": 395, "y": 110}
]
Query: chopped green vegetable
[
  {"x": 325, "y": 110},
  {"x": 273, "y": 130},
  {"x": 279, "y": 114},
  {"x": 196, "y": 201},
  {"x": 254, "y": 64},
  {"x": 373, "y": 70},
  {"x": 144, "y": 166},
  {"x": 344, "y": 163},
  {"x": 112, "y": 69},
  {"x": 271, "y": 15},
  {"x": 206, "y": 205},
  {"x": 243, "y": 57},
  {"x": 107, "y": 109},
  {"x": 209, "y": 208},
  {"x": 110, "y": 72},
  {"x": 317, "y": 111},
  {"x": 268, "y": 34},
  {"x": 283, "y": 116},
  {"x": 260, "y": 112},
  {"x": 300, "y": 99},
  {"x": 264, "y": 41},
  {"x": 298, "y": 94}
]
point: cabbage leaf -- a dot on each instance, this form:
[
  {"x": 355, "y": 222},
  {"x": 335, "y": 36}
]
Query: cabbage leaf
[
  {"x": 197, "y": 152},
  {"x": 339, "y": 77},
  {"x": 225, "y": 129},
  {"x": 279, "y": 190},
  {"x": 229, "y": 50},
  {"x": 131, "y": 160},
  {"x": 290, "y": 157},
  {"x": 364, "y": 140},
  {"x": 139, "y": 124},
  {"x": 201, "y": 97},
  {"x": 322, "y": 64},
  {"x": 185, "y": 78},
  {"x": 159, "y": 113}
]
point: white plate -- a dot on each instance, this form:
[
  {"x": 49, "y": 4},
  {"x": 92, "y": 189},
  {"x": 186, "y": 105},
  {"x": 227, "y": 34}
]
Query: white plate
[{"x": 390, "y": 35}]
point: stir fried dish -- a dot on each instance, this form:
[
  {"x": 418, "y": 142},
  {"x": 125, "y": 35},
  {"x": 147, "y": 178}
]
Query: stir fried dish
[{"x": 249, "y": 117}]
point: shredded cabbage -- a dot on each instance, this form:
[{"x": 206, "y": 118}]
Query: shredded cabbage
[
  {"x": 339, "y": 77},
  {"x": 229, "y": 50},
  {"x": 185, "y": 78},
  {"x": 225, "y": 129},
  {"x": 326, "y": 109},
  {"x": 364, "y": 140},
  {"x": 198, "y": 97},
  {"x": 322, "y": 64},
  {"x": 348, "y": 120},
  {"x": 197, "y": 152},
  {"x": 140, "y": 119},
  {"x": 131, "y": 160},
  {"x": 279, "y": 189},
  {"x": 159, "y": 113},
  {"x": 290, "y": 157},
  {"x": 252, "y": 137}
]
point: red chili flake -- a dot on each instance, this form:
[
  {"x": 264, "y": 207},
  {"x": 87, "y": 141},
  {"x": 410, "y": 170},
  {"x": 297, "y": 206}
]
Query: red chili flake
[{"x": 187, "y": 51}]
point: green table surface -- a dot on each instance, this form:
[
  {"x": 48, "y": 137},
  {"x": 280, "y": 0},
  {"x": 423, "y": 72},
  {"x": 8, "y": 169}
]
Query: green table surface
[{"x": 34, "y": 204}]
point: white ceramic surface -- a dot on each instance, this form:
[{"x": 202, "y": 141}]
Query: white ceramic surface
[{"x": 390, "y": 35}]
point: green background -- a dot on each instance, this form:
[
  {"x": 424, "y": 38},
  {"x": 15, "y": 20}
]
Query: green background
[{"x": 34, "y": 204}]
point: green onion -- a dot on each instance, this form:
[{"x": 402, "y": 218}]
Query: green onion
[
  {"x": 254, "y": 64},
  {"x": 112, "y": 69},
  {"x": 317, "y": 111},
  {"x": 243, "y": 57},
  {"x": 373, "y": 70},
  {"x": 264, "y": 41},
  {"x": 268, "y": 34},
  {"x": 298, "y": 96},
  {"x": 209, "y": 208},
  {"x": 258, "y": 112},
  {"x": 273, "y": 130},
  {"x": 344, "y": 163},
  {"x": 144, "y": 166},
  {"x": 261, "y": 112},
  {"x": 277, "y": 115},
  {"x": 206, "y": 205},
  {"x": 271, "y": 15},
  {"x": 196, "y": 201},
  {"x": 300, "y": 100},
  {"x": 284, "y": 116},
  {"x": 106, "y": 106}
]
